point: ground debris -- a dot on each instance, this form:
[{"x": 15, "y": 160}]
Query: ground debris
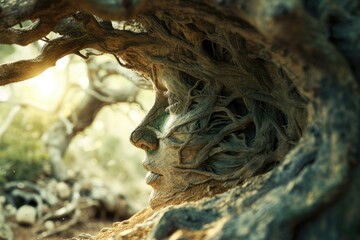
[{"x": 42, "y": 210}]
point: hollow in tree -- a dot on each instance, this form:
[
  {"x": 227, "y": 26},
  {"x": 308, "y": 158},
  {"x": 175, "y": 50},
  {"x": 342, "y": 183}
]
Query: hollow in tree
[{"x": 260, "y": 97}]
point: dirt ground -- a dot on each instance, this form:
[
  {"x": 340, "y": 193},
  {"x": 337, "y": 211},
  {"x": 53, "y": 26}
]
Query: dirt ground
[
  {"x": 91, "y": 227},
  {"x": 140, "y": 224},
  {"x": 88, "y": 223},
  {"x": 104, "y": 228}
]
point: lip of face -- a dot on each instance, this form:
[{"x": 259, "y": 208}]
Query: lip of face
[{"x": 153, "y": 176}]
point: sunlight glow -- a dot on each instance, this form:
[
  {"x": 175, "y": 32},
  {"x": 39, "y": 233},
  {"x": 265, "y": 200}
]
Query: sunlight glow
[
  {"x": 62, "y": 63},
  {"x": 5, "y": 93},
  {"x": 46, "y": 89},
  {"x": 46, "y": 84}
]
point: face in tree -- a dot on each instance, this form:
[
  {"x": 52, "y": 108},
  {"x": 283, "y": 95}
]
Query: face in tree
[
  {"x": 225, "y": 109},
  {"x": 241, "y": 86},
  {"x": 202, "y": 130}
]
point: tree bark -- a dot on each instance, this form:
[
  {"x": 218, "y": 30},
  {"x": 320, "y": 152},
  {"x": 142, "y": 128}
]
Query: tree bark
[{"x": 294, "y": 60}]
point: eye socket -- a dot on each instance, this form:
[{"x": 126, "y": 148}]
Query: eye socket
[{"x": 174, "y": 104}]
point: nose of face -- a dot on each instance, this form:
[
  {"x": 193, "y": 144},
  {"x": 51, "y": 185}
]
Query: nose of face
[{"x": 145, "y": 139}]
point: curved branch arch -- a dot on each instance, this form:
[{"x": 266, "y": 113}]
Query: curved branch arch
[{"x": 273, "y": 86}]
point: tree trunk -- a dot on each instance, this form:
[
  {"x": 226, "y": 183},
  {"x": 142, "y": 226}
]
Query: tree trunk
[
  {"x": 276, "y": 79},
  {"x": 314, "y": 191}
]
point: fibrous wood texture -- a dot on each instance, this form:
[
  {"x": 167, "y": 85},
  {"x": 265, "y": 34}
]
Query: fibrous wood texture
[{"x": 293, "y": 65}]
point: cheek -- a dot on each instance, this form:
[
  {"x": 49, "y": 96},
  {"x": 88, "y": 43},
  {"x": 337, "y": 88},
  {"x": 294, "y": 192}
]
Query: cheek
[
  {"x": 188, "y": 154},
  {"x": 167, "y": 157},
  {"x": 180, "y": 180},
  {"x": 169, "y": 154}
]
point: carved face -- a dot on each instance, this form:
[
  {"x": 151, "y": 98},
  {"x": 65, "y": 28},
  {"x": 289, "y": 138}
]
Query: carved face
[
  {"x": 162, "y": 143},
  {"x": 200, "y": 131}
]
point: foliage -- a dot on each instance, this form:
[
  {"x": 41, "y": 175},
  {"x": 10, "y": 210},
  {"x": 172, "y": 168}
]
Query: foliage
[{"x": 22, "y": 155}]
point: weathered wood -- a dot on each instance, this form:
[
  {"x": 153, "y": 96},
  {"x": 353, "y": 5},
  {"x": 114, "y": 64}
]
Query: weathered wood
[{"x": 262, "y": 95}]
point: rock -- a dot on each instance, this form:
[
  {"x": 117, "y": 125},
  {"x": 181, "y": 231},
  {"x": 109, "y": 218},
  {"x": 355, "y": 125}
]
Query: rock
[
  {"x": 49, "y": 225},
  {"x": 26, "y": 215},
  {"x": 63, "y": 190}
]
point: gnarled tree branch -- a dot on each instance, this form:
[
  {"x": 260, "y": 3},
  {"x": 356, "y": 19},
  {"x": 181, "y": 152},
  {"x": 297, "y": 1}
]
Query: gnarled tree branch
[{"x": 51, "y": 52}]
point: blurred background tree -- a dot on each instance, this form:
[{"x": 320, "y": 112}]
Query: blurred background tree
[
  {"x": 29, "y": 110},
  {"x": 22, "y": 155}
]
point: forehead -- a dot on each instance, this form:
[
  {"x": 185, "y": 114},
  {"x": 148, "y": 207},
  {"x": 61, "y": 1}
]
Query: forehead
[{"x": 165, "y": 78}]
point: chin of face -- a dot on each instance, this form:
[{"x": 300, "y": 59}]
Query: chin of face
[
  {"x": 156, "y": 199},
  {"x": 159, "y": 197},
  {"x": 175, "y": 187}
]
